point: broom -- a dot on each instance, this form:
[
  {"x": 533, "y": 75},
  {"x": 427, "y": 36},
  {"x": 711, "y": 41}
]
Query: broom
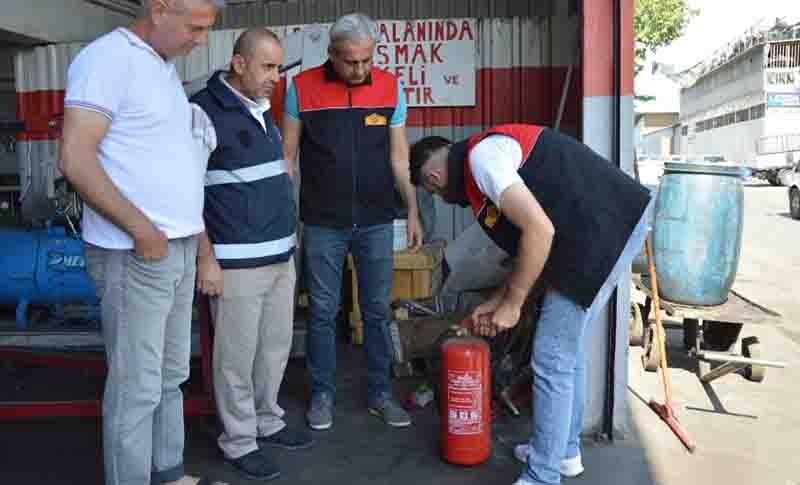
[{"x": 665, "y": 411}]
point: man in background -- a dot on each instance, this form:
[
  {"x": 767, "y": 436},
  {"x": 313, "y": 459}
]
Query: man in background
[
  {"x": 567, "y": 217},
  {"x": 346, "y": 119},
  {"x": 246, "y": 254}
]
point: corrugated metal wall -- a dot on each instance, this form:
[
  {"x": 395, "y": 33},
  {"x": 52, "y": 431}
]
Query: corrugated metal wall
[
  {"x": 243, "y": 14},
  {"x": 40, "y": 78},
  {"x": 7, "y": 106},
  {"x": 7, "y": 102}
]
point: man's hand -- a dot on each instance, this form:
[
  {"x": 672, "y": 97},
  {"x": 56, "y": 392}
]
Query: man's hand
[
  {"x": 209, "y": 277},
  {"x": 482, "y": 315},
  {"x": 414, "y": 232},
  {"x": 151, "y": 244},
  {"x": 506, "y": 316},
  {"x": 497, "y": 314}
]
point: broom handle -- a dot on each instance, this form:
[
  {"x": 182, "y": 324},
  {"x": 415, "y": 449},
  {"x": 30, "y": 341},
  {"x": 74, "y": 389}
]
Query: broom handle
[{"x": 659, "y": 327}]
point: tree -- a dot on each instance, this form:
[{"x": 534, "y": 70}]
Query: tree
[{"x": 657, "y": 23}]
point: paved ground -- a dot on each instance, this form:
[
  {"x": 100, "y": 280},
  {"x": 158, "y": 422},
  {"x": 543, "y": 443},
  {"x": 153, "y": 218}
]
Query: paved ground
[
  {"x": 769, "y": 266},
  {"x": 746, "y": 433}
]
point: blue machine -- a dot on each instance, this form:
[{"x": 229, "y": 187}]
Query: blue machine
[{"x": 42, "y": 267}]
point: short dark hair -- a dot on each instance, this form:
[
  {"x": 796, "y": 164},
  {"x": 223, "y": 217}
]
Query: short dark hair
[
  {"x": 246, "y": 43},
  {"x": 421, "y": 152}
]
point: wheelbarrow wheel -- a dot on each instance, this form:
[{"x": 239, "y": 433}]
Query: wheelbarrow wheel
[
  {"x": 751, "y": 348},
  {"x": 652, "y": 350},
  {"x": 636, "y": 337}
]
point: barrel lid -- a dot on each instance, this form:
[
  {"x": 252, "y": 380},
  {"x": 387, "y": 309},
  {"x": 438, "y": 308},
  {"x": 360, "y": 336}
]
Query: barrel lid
[{"x": 706, "y": 168}]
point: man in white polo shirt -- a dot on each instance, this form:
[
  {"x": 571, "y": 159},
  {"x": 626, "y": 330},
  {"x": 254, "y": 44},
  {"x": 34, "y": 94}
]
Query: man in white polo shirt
[{"x": 129, "y": 151}]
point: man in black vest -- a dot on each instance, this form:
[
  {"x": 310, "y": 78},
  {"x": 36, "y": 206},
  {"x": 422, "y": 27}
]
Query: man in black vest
[
  {"x": 567, "y": 216},
  {"x": 346, "y": 119},
  {"x": 245, "y": 260}
]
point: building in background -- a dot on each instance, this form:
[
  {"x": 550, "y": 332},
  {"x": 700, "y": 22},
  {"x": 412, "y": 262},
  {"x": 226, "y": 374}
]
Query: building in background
[
  {"x": 744, "y": 102},
  {"x": 656, "y": 114}
]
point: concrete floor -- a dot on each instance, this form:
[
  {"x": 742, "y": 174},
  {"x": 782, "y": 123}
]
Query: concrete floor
[
  {"x": 769, "y": 266},
  {"x": 746, "y": 433},
  {"x": 360, "y": 449}
]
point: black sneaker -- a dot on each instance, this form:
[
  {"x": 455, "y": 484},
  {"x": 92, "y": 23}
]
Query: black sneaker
[
  {"x": 255, "y": 465},
  {"x": 289, "y": 439}
]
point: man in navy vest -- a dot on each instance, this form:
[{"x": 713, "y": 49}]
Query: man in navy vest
[
  {"x": 347, "y": 120},
  {"x": 245, "y": 260},
  {"x": 568, "y": 217}
]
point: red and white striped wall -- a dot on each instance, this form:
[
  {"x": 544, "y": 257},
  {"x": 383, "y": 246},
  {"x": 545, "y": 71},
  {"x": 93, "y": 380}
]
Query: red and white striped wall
[{"x": 40, "y": 76}]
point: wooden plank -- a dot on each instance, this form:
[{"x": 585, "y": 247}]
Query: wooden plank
[
  {"x": 737, "y": 309},
  {"x": 418, "y": 336},
  {"x": 415, "y": 276}
]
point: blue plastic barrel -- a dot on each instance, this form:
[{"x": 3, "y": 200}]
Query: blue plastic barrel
[
  {"x": 639, "y": 265},
  {"x": 698, "y": 231}
]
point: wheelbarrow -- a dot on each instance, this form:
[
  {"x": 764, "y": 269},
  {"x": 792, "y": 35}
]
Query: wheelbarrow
[{"x": 710, "y": 334}]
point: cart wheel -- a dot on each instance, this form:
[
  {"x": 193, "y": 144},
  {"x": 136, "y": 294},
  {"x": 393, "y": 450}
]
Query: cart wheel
[
  {"x": 751, "y": 348},
  {"x": 652, "y": 350},
  {"x": 636, "y": 337},
  {"x": 690, "y": 328}
]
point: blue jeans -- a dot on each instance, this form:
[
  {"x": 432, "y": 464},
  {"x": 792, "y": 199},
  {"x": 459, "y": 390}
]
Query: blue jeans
[
  {"x": 146, "y": 308},
  {"x": 325, "y": 250},
  {"x": 559, "y": 369}
]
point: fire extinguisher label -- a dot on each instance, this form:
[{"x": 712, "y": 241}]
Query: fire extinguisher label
[{"x": 464, "y": 402}]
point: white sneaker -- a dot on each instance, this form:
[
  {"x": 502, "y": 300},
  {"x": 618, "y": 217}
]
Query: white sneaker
[{"x": 570, "y": 467}]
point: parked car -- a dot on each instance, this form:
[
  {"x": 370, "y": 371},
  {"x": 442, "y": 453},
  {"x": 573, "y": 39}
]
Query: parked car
[{"x": 794, "y": 192}]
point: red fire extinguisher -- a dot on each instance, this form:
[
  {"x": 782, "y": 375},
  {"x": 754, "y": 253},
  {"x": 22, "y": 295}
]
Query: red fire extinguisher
[{"x": 466, "y": 399}]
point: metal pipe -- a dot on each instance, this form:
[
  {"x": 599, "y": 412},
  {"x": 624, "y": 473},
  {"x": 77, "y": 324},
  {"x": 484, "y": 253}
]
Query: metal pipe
[
  {"x": 739, "y": 359},
  {"x": 616, "y": 145},
  {"x": 721, "y": 371},
  {"x": 565, "y": 90}
]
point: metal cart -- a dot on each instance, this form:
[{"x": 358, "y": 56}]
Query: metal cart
[{"x": 710, "y": 334}]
